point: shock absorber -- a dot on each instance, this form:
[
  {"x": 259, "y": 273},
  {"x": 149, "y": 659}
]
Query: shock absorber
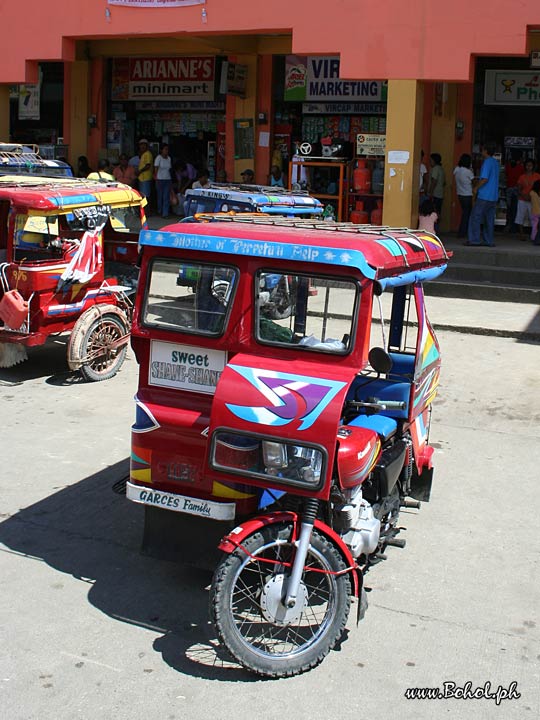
[{"x": 311, "y": 506}]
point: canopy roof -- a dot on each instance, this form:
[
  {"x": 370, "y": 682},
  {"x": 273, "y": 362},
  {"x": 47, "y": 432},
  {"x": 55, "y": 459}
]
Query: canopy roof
[
  {"x": 377, "y": 252},
  {"x": 52, "y": 194}
]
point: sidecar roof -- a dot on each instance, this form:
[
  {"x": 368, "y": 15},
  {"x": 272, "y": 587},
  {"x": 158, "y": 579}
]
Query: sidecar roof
[
  {"x": 60, "y": 194},
  {"x": 392, "y": 256}
]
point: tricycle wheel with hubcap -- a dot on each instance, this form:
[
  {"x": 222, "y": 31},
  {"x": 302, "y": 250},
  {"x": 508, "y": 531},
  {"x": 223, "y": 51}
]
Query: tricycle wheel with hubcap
[
  {"x": 98, "y": 343},
  {"x": 246, "y": 605}
]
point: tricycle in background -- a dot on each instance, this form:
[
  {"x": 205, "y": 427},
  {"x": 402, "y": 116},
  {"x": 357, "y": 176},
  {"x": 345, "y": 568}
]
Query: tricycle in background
[
  {"x": 289, "y": 443},
  {"x": 68, "y": 250}
]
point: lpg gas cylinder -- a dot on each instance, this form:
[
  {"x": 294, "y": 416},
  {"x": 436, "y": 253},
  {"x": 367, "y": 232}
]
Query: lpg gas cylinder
[
  {"x": 359, "y": 216},
  {"x": 376, "y": 214},
  {"x": 362, "y": 177}
]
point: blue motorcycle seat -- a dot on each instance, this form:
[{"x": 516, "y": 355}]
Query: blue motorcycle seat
[{"x": 381, "y": 424}]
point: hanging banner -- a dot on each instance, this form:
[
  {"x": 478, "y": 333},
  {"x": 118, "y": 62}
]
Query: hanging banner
[
  {"x": 29, "y": 101},
  {"x": 512, "y": 87},
  {"x": 317, "y": 78},
  {"x": 182, "y": 78},
  {"x": 155, "y": 3}
]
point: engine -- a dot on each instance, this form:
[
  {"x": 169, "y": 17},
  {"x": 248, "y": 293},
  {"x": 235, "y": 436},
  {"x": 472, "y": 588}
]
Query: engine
[{"x": 355, "y": 521}]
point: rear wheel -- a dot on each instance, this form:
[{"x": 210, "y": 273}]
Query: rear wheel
[
  {"x": 94, "y": 345},
  {"x": 252, "y": 622}
]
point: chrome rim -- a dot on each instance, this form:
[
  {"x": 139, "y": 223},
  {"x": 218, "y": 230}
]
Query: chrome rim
[{"x": 249, "y": 606}]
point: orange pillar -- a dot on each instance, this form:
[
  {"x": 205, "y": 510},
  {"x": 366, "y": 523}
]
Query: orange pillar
[
  {"x": 464, "y": 114},
  {"x": 98, "y": 94},
  {"x": 230, "y": 111},
  {"x": 263, "y": 151}
]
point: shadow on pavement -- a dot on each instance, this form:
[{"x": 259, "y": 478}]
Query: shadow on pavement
[
  {"x": 44, "y": 361},
  {"x": 88, "y": 531}
]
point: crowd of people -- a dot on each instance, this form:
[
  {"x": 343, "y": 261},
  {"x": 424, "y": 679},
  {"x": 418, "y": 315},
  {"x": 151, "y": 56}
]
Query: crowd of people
[
  {"x": 478, "y": 196},
  {"x": 162, "y": 181}
]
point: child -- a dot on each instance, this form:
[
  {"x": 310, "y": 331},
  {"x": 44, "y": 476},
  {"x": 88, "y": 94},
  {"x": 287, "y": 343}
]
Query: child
[
  {"x": 535, "y": 211},
  {"x": 427, "y": 216}
]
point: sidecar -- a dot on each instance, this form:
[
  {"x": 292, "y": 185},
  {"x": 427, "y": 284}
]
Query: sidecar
[
  {"x": 68, "y": 250},
  {"x": 199, "y": 350}
]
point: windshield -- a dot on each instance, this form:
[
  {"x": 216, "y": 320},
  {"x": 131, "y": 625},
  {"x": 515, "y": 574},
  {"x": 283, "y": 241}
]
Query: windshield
[
  {"x": 311, "y": 313},
  {"x": 195, "y": 205},
  {"x": 189, "y": 297}
]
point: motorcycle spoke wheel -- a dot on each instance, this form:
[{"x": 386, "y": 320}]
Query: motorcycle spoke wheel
[
  {"x": 100, "y": 360},
  {"x": 250, "y": 619}
]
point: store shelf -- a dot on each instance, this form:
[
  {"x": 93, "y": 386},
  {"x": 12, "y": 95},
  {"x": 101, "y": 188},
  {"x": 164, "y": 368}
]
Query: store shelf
[{"x": 375, "y": 195}]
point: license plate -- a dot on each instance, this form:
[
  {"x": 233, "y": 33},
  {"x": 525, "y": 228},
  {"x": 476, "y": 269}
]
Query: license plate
[{"x": 180, "y": 503}]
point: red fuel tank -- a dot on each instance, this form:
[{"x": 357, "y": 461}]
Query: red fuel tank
[
  {"x": 362, "y": 177},
  {"x": 13, "y": 309}
]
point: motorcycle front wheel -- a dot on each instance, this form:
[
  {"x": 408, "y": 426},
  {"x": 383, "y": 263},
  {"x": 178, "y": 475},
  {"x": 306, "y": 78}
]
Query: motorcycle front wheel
[{"x": 251, "y": 621}]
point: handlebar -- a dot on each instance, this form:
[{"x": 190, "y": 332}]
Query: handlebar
[{"x": 375, "y": 404}]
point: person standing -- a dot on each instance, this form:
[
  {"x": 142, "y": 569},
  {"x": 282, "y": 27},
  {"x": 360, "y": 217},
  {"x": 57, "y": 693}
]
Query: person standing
[
  {"x": 423, "y": 177},
  {"x": 436, "y": 182},
  {"x": 124, "y": 172},
  {"x": 463, "y": 176},
  {"x": 535, "y": 212},
  {"x": 525, "y": 184},
  {"x": 83, "y": 167},
  {"x": 513, "y": 170},
  {"x": 162, "y": 171},
  {"x": 487, "y": 194},
  {"x": 146, "y": 163}
]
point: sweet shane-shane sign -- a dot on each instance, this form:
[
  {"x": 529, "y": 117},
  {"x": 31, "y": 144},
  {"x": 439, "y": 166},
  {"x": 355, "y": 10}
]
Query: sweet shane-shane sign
[{"x": 185, "y": 366}]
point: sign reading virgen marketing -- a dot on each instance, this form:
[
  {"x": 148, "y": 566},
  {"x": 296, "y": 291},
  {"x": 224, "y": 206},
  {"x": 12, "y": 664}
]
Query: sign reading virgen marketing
[
  {"x": 316, "y": 78},
  {"x": 512, "y": 87},
  {"x": 185, "y": 367},
  {"x": 181, "y": 78}
]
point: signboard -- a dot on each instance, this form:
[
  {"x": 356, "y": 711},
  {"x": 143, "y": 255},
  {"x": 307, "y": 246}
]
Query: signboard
[
  {"x": 185, "y": 367},
  {"x": 343, "y": 108},
  {"x": 182, "y": 78},
  {"x": 317, "y": 78},
  {"x": 535, "y": 59},
  {"x": 155, "y": 3},
  {"x": 233, "y": 79},
  {"x": 29, "y": 101},
  {"x": 244, "y": 139},
  {"x": 367, "y": 144},
  {"x": 512, "y": 87}
]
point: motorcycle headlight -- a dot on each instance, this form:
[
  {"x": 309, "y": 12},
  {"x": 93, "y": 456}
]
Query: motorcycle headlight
[{"x": 274, "y": 454}]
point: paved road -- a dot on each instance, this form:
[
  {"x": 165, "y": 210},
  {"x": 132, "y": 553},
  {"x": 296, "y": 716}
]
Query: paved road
[{"x": 90, "y": 629}]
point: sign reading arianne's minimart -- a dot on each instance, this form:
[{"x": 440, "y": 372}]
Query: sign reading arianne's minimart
[
  {"x": 317, "y": 78},
  {"x": 512, "y": 87},
  {"x": 182, "y": 78}
]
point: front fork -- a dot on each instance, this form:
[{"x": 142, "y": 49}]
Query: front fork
[{"x": 302, "y": 546}]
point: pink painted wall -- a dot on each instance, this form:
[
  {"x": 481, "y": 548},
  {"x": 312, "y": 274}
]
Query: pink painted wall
[{"x": 420, "y": 39}]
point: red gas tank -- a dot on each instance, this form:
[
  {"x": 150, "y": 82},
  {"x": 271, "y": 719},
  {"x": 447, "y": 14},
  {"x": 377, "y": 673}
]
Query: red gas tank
[
  {"x": 359, "y": 216},
  {"x": 13, "y": 309},
  {"x": 362, "y": 177},
  {"x": 376, "y": 214}
]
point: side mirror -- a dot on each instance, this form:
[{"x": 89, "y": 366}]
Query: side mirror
[{"x": 380, "y": 360}]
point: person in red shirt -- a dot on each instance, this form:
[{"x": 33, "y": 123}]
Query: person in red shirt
[
  {"x": 513, "y": 170},
  {"x": 525, "y": 183},
  {"x": 124, "y": 172}
]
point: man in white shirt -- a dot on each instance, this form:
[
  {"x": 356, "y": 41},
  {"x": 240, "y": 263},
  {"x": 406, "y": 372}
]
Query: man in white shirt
[{"x": 162, "y": 176}]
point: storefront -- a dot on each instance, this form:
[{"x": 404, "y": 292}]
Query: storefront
[
  {"x": 174, "y": 100},
  {"x": 330, "y": 134},
  {"x": 507, "y": 100}
]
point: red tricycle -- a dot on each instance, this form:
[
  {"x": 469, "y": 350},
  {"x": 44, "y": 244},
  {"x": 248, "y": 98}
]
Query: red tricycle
[
  {"x": 291, "y": 443},
  {"x": 68, "y": 250}
]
